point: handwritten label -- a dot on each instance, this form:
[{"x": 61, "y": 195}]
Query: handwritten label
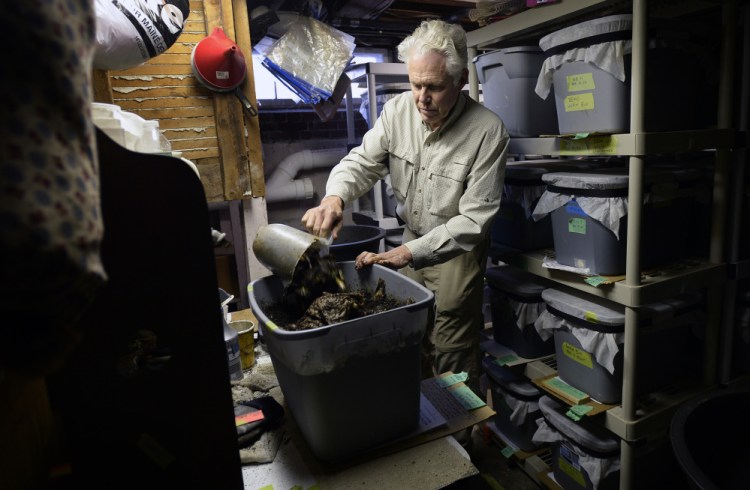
[
  {"x": 580, "y": 102},
  {"x": 595, "y": 145},
  {"x": 452, "y": 379},
  {"x": 580, "y": 82},
  {"x": 467, "y": 398},
  {"x": 565, "y": 388},
  {"x": 577, "y": 225},
  {"x": 578, "y": 355}
]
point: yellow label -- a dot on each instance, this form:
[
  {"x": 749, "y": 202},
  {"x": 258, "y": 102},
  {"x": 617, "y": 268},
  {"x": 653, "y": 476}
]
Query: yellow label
[
  {"x": 271, "y": 325},
  {"x": 590, "y": 316},
  {"x": 578, "y": 355},
  {"x": 580, "y": 102},
  {"x": 573, "y": 473},
  {"x": 595, "y": 145},
  {"x": 580, "y": 82}
]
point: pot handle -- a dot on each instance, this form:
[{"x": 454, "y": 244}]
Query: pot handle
[{"x": 246, "y": 104}]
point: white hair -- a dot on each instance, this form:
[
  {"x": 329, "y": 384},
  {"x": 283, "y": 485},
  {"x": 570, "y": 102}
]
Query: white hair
[{"x": 441, "y": 37}]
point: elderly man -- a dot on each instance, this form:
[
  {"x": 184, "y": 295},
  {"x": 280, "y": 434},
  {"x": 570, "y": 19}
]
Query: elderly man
[{"x": 446, "y": 155}]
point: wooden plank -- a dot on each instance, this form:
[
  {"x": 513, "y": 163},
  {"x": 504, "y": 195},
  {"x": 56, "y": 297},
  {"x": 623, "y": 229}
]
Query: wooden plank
[
  {"x": 207, "y": 127},
  {"x": 255, "y": 152},
  {"x": 102, "y": 86},
  {"x": 228, "y": 110},
  {"x": 159, "y": 90}
]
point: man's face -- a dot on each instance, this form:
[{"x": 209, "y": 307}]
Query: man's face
[{"x": 432, "y": 88}]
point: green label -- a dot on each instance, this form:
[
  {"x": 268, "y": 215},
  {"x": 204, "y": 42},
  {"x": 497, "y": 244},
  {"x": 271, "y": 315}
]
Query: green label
[
  {"x": 594, "y": 145},
  {"x": 580, "y": 82},
  {"x": 507, "y": 452},
  {"x": 468, "y": 399},
  {"x": 452, "y": 379},
  {"x": 564, "y": 387},
  {"x": 578, "y": 355},
  {"x": 577, "y": 225},
  {"x": 506, "y": 360},
  {"x": 577, "y": 412}
]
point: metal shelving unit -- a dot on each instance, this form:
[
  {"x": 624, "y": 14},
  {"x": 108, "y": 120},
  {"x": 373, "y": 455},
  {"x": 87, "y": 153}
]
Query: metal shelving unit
[
  {"x": 630, "y": 421},
  {"x": 370, "y": 74}
]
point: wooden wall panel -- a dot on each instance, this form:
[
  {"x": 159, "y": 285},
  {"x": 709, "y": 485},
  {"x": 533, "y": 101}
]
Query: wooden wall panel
[{"x": 209, "y": 128}]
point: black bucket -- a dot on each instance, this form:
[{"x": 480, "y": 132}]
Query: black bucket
[
  {"x": 709, "y": 435},
  {"x": 355, "y": 239}
]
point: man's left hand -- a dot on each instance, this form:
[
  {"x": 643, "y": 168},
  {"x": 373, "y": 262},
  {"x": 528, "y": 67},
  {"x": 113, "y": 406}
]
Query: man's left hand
[{"x": 395, "y": 258}]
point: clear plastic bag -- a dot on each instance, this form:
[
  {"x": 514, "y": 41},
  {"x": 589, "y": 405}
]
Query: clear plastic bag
[{"x": 309, "y": 58}]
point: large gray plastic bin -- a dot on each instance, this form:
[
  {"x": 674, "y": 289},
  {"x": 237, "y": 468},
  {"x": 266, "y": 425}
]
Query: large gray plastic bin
[
  {"x": 579, "y": 449},
  {"x": 508, "y": 77},
  {"x": 590, "y": 62},
  {"x": 516, "y": 297},
  {"x": 589, "y": 218},
  {"x": 513, "y": 226},
  {"x": 667, "y": 339},
  {"x": 516, "y": 404},
  {"x": 353, "y": 385}
]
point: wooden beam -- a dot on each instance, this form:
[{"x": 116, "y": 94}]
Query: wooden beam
[
  {"x": 255, "y": 153},
  {"x": 229, "y": 115}
]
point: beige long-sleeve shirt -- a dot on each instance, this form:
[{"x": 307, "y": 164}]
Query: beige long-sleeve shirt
[{"x": 447, "y": 182}]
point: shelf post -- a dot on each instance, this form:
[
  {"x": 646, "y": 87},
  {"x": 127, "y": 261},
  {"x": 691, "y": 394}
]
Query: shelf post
[
  {"x": 473, "y": 78},
  {"x": 633, "y": 249}
]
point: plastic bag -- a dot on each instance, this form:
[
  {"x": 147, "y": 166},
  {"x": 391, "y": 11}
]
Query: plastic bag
[
  {"x": 130, "y": 32},
  {"x": 309, "y": 58}
]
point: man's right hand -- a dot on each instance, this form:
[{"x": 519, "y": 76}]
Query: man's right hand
[{"x": 326, "y": 219}]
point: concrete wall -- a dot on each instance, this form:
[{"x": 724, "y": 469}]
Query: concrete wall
[{"x": 285, "y": 133}]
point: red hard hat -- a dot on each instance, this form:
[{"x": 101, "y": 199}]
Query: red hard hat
[{"x": 218, "y": 61}]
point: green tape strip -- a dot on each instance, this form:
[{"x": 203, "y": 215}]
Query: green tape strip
[
  {"x": 561, "y": 385},
  {"x": 467, "y": 398},
  {"x": 452, "y": 379}
]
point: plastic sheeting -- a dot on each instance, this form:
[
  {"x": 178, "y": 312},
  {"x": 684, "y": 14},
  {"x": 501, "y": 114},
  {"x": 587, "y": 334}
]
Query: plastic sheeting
[
  {"x": 309, "y": 58},
  {"x": 607, "y": 56}
]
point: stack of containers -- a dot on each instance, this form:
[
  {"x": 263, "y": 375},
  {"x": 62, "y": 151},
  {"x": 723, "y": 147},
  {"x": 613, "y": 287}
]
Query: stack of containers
[
  {"x": 516, "y": 404},
  {"x": 515, "y": 304},
  {"x": 589, "y": 218},
  {"x": 589, "y": 334},
  {"x": 585, "y": 455},
  {"x": 508, "y": 77},
  {"x": 523, "y": 186},
  {"x": 589, "y": 66}
]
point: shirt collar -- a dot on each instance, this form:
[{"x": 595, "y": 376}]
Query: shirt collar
[{"x": 456, "y": 111}]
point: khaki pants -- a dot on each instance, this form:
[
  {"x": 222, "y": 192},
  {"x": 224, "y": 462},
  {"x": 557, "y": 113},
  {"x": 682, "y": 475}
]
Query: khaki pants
[{"x": 451, "y": 342}]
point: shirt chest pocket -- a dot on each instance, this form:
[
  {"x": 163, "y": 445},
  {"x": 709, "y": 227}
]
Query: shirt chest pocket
[
  {"x": 446, "y": 186},
  {"x": 401, "y": 169}
]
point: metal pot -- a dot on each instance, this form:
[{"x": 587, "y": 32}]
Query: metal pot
[{"x": 219, "y": 65}]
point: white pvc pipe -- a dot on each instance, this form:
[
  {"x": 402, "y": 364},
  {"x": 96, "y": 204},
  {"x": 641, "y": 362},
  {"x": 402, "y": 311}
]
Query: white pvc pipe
[{"x": 282, "y": 185}]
